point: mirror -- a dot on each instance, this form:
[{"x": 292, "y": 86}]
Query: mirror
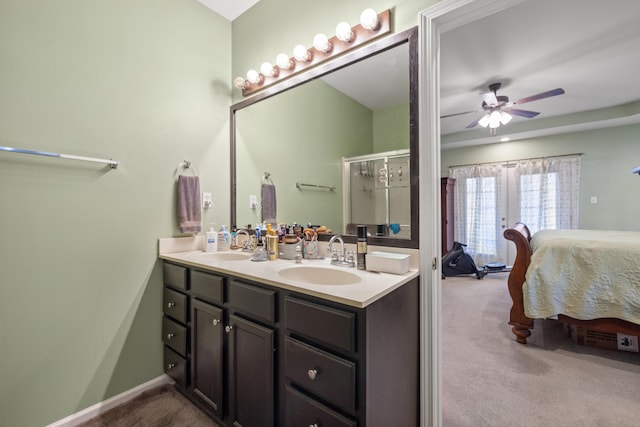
[{"x": 298, "y": 139}]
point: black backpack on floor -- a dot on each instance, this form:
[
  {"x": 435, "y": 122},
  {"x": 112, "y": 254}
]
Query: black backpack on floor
[{"x": 457, "y": 262}]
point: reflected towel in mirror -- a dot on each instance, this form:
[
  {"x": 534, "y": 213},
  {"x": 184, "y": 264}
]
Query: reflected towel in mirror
[
  {"x": 269, "y": 203},
  {"x": 189, "y": 213}
]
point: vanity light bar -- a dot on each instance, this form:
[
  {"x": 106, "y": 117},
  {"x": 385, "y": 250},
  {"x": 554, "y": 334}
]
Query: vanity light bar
[{"x": 330, "y": 48}]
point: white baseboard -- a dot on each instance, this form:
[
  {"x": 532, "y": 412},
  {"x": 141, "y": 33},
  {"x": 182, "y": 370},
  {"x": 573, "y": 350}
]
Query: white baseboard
[{"x": 100, "y": 407}]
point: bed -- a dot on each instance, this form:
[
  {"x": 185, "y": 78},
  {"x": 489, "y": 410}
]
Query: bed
[{"x": 588, "y": 278}]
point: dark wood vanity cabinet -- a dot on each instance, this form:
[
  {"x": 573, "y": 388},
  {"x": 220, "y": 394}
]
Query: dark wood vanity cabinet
[{"x": 256, "y": 355}]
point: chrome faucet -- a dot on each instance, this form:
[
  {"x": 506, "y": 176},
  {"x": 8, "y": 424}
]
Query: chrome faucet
[
  {"x": 246, "y": 245},
  {"x": 341, "y": 257}
]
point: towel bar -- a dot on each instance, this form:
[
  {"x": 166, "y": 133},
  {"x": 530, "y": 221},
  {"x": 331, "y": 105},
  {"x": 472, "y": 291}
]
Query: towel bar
[{"x": 113, "y": 163}]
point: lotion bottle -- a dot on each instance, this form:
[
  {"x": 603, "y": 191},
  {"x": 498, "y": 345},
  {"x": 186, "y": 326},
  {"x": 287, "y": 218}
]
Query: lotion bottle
[
  {"x": 224, "y": 239},
  {"x": 211, "y": 240}
]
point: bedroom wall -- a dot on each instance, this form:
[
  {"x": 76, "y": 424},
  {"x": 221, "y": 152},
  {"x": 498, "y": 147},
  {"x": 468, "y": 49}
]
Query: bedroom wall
[
  {"x": 146, "y": 83},
  {"x": 608, "y": 156}
]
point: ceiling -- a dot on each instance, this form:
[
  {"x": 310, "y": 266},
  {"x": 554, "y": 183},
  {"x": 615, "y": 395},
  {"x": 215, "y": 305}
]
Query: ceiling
[
  {"x": 230, "y": 9},
  {"x": 587, "y": 47}
]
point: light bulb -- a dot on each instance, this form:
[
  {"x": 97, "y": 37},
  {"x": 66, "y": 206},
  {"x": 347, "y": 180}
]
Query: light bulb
[
  {"x": 494, "y": 119},
  {"x": 321, "y": 43},
  {"x": 268, "y": 70},
  {"x": 301, "y": 53},
  {"x": 254, "y": 77},
  {"x": 343, "y": 32},
  {"x": 369, "y": 19},
  {"x": 284, "y": 62},
  {"x": 505, "y": 117},
  {"x": 239, "y": 83},
  {"x": 484, "y": 121}
]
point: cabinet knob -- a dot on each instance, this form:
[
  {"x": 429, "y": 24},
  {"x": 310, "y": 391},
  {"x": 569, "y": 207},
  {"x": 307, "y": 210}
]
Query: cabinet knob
[
  {"x": 312, "y": 373},
  {"x": 171, "y": 304},
  {"x": 215, "y": 322},
  {"x": 170, "y": 365},
  {"x": 314, "y": 425},
  {"x": 169, "y": 336},
  {"x": 228, "y": 328}
]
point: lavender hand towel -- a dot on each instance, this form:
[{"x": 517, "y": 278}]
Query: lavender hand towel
[
  {"x": 269, "y": 203},
  {"x": 189, "y": 213}
]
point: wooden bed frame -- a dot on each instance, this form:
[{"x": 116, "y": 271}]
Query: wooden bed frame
[{"x": 522, "y": 325}]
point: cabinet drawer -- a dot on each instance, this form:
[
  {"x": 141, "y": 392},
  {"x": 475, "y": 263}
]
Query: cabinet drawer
[
  {"x": 253, "y": 300},
  {"x": 175, "y": 276},
  {"x": 321, "y": 373},
  {"x": 208, "y": 286},
  {"x": 175, "y": 305},
  {"x": 335, "y": 327},
  {"x": 301, "y": 410},
  {"x": 174, "y": 335},
  {"x": 175, "y": 366}
]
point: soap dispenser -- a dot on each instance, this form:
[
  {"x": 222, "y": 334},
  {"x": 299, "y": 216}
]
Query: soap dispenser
[{"x": 211, "y": 239}]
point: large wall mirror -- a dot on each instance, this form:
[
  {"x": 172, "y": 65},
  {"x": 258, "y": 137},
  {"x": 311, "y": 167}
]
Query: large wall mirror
[{"x": 299, "y": 133}]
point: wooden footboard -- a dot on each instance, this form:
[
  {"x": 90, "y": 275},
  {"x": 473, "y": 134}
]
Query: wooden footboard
[{"x": 522, "y": 325}]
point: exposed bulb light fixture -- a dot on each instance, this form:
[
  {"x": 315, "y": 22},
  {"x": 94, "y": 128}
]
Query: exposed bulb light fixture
[
  {"x": 284, "y": 62},
  {"x": 255, "y": 77},
  {"x": 240, "y": 83},
  {"x": 321, "y": 42},
  {"x": 268, "y": 70},
  {"x": 372, "y": 25},
  {"x": 344, "y": 32},
  {"x": 369, "y": 19},
  {"x": 301, "y": 53}
]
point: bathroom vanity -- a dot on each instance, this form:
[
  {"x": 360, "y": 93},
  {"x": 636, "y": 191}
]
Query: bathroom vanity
[{"x": 276, "y": 343}]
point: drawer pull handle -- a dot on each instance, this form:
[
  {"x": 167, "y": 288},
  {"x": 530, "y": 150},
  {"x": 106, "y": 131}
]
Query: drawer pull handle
[
  {"x": 170, "y": 365},
  {"x": 215, "y": 322},
  {"x": 314, "y": 425},
  {"x": 169, "y": 336},
  {"x": 228, "y": 328},
  {"x": 312, "y": 373},
  {"x": 171, "y": 304}
]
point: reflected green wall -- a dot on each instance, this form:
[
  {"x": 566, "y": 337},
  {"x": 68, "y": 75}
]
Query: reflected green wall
[
  {"x": 391, "y": 128},
  {"x": 608, "y": 156},
  {"x": 300, "y": 136},
  {"x": 146, "y": 83}
]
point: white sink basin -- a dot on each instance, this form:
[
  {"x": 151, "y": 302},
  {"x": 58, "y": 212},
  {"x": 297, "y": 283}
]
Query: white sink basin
[
  {"x": 319, "y": 276},
  {"x": 224, "y": 256}
]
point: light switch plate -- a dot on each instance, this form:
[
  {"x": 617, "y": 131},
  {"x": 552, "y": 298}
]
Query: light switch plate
[{"x": 206, "y": 200}]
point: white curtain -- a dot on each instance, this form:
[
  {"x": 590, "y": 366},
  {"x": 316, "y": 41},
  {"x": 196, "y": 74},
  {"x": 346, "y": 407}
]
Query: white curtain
[
  {"x": 548, "y": 192},
  {"x": 478, "y": 206}
]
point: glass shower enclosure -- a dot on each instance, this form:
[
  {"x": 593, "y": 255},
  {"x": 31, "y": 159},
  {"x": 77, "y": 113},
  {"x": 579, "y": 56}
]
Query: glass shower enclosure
[{"x": 377, "y": 193}]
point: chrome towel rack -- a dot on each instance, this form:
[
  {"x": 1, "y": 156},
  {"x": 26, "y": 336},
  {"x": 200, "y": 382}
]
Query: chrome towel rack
[
  {"x": 299, "y": 185},
  {"x": 113, "y": 163}
]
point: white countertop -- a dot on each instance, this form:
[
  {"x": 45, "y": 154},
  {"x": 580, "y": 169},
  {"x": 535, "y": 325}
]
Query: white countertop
[{"x": 371, "y": 287}]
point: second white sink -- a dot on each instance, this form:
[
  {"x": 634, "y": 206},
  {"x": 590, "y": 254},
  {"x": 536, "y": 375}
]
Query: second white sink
[{"x": 319, "y": 276}]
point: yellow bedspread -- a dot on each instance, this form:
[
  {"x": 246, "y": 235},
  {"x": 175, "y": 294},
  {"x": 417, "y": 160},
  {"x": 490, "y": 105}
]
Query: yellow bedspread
[{"x": 585, "y": 274}]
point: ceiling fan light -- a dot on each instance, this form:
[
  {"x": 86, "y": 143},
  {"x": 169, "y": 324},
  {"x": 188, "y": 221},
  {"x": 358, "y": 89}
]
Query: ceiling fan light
[
  {"x": 484, "y": 121},
  {"x": 494, "y": 119},
  {"x": 505, "y": 117}
]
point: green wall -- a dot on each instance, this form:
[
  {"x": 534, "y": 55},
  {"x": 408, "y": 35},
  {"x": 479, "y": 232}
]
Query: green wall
[
  {"x": 147, "y": 83},
  {"x": 608, "y": 157}
]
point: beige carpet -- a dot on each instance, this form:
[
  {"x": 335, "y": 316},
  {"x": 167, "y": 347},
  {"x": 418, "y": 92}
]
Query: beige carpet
[
  {"x": 490, "y": 380},
  {"x": 162, "y": 406}
]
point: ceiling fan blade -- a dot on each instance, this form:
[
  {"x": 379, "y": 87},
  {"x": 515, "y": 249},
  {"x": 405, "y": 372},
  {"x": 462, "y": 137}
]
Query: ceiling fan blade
[
  {"x": 473, "y": 123},
  {"x": 458, "y": 114},
  {"x": 489, "y": 98},
  {"x": 521, "y": 113},
  {"x": 547, "y": 94}
]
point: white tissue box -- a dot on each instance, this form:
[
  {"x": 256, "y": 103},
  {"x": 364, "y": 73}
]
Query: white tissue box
[{"x": 387, "y": 262}]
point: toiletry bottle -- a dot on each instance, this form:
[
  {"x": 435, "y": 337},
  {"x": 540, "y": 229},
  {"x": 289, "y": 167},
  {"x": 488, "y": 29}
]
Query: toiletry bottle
[
  {"x": 362, "y": 247},
  {"x": 224, "y": 239},
  {"x": 298, "y": 256},
  {"x": 211, "y": 240},
  {"x": 272, "y": 243}
]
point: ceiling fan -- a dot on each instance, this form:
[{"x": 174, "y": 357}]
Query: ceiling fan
[{"x": 498, "y": 109}]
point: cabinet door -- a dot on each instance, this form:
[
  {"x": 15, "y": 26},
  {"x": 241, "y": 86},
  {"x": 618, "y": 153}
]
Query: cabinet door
[
  {"x": 207, "y": 353},
  {"x": 251, "y": 382}
]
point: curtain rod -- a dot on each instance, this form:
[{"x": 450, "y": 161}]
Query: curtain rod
[
  {"x": 517, "y": 160},
  {"x": 113, "y": 163}
]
